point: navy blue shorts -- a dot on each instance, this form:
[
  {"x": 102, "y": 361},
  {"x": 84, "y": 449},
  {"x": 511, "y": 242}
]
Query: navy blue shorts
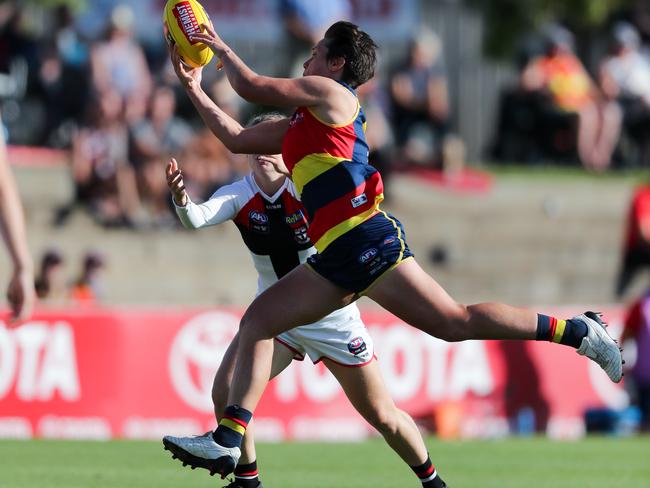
[{"x": 355, "y": 260}]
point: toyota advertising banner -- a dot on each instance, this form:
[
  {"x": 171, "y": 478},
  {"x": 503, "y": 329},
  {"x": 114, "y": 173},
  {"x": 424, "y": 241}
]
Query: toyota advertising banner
[{"x": 112, "y": 373}]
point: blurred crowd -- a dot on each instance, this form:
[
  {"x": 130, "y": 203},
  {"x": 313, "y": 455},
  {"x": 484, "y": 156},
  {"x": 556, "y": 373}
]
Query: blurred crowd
[
  {"x": 116, "y": 106},
  {"x": 55, "y": 287},
  {"x": 119, "y": 110},
  {"x": 561, "y": 110}
]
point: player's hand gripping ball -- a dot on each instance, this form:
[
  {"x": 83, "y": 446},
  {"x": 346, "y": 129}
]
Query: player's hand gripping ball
[{"x": 181, "y": 19}]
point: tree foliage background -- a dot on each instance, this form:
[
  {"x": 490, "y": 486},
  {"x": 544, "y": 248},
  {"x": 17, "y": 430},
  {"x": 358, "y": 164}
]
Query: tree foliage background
[{"x": 508, "y": 20}]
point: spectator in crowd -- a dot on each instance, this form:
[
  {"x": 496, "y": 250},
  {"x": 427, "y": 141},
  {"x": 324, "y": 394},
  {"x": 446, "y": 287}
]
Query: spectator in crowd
[
  {"x": 88, "y": 287},
  {"x": 637, "y": 327},
  {"x": 20, "y": 292},
  {"x": 104, "y": 180},
  {"x": 636, "y": 246},
  {"x": 573, "y": 109},
  {"x": 155, "y": 138},
  {"x": 304, "y": 23},
  {"x": 64, "y": 77},
  {"x": 420, "y": 102},
  {"x": 50, "y": 282},
  {"x": 118, "y": 62},
  {"x": 625, "y": 77}
]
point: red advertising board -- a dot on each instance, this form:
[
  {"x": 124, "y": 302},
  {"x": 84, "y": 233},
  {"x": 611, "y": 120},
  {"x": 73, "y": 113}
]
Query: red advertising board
[{"x": 105, "y": 373}]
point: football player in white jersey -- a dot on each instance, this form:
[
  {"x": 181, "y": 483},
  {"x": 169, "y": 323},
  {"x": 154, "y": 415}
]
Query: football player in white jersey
[{"x": 266, "y": 210}]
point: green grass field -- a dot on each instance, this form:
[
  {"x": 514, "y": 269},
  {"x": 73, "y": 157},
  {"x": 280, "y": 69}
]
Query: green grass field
[{"x": 516, "y": 463}]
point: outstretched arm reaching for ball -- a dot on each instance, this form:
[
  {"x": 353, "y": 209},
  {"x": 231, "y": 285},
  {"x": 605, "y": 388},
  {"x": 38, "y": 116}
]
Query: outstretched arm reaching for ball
[
  {"x": 263, "y": 138},
  {"x": 328, "y": 99},
  {"x": 221, "y": 207},
  {"x": 265, "y": 90}
]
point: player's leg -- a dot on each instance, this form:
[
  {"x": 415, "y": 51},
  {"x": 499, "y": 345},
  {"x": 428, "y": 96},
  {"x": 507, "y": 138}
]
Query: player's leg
[
  {"x": 365, "y": 388},
  {"x": 282, "y": 358},
  {"x": 299, "y": 298},
  {"x": 415, "y": 297},
  {"x": 246, "y": 472}
]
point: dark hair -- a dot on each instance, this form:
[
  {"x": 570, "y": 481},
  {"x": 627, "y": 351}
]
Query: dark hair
[{"x": 345, "y": 40}]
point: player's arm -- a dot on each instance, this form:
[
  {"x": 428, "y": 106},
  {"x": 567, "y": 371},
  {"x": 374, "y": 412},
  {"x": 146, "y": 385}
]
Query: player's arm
[
  {"x": 308, "y": 91},
  {"x": 12, "y": 227},
  {"x": 220, "y": 208},
  {"x": 263, "y": 138}
]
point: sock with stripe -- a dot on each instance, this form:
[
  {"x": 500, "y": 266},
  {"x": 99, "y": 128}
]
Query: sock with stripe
[
  {"x": 428, "y": 475},
  {"x": 567, "y": 332},
  {"x": 232, "y": 426},
  {"x": 247, "y": 476}
]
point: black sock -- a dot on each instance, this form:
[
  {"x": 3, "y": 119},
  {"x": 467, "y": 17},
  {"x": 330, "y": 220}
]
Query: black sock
[
  {"x": 568, "y": 332},
  {"x": 428, "y": 475},
  {"x": 247, "y": 475},
  {"x": 232, "y": 426}
]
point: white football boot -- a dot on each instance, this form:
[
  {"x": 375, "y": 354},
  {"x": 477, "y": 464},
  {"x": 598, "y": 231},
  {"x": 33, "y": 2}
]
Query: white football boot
[
  {"x": 203, "y": 452},
  {"x": 598, "y": 346}
]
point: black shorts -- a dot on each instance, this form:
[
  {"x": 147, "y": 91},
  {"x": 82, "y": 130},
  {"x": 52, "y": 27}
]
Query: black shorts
[{"x": 356, "y": 259}]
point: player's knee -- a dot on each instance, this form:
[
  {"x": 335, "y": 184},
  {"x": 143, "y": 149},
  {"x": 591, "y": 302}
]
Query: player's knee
[
  {"x": 384, "y": 419},
  {"x": 250, "y": 328}
]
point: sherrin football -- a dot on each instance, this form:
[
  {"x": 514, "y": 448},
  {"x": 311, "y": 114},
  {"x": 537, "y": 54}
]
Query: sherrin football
[{"x": 181, "y": 19}]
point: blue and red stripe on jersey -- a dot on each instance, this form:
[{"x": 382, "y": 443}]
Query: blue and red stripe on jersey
[{"x": 329, "y": 167}]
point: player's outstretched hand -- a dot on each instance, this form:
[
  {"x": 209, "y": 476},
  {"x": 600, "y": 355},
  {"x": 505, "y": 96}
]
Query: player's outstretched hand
[
  {"x": 21, "y": 295},
  {"x": 175, "y": 183},
  {"x": 190, "y": 77}
]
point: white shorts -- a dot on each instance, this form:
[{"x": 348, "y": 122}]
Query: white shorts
[{"x": 340, "y": 337}]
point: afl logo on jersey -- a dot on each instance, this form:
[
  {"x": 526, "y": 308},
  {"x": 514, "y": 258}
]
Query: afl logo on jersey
[
  {"x": 258, "y": 221},
  {"x": 367, "y": 255},
  {"x": 357, "y": 346}
]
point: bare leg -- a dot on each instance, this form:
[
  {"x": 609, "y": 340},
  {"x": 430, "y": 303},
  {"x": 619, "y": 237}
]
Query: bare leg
[
  {"x": 415, "y": 297},
  {"x": 610, "y": 130},
  {"x": 282, "y": 358},
  {"x": 587, "y": 134},
  {"x": 367, "y": 392},
  {"x": 300, "y": 298}
]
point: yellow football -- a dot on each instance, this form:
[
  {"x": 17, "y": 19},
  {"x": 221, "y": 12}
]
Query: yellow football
[{"x": 181, "y": 19}]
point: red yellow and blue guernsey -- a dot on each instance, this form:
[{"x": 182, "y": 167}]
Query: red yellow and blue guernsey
[
  {"x": 329, "y": 167},
  {"x": 356, "y": 241}
]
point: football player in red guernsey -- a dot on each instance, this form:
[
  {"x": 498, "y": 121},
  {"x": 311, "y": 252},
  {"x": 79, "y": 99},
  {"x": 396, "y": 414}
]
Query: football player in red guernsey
[
  {"x": 271, "y": 219},
  {"x": 361, "y": 249}
]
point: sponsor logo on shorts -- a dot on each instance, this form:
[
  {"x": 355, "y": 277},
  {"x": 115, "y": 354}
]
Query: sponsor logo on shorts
[
  {"x": 357, "y": 346},
  {"x": 359, "y": 200},
  {"x": 389, "y": 240},
  {"x": 367, "y": 255}
]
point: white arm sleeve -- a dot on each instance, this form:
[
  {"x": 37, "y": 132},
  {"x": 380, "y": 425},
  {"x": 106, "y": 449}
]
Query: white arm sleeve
[{"x": 222, "y": 206}]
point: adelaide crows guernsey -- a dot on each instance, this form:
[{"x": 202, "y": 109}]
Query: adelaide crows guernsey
[{"x": 330, "y": 170}]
